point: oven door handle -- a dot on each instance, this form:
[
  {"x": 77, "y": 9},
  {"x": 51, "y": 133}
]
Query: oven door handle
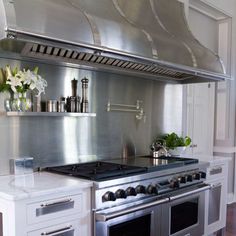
[
  {"x": 185, "y": 194},
  {"x": 105, "y": 217}
]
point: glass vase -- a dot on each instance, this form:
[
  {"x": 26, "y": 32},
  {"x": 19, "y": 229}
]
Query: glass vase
[
  {"x": 7, "y": 104},
  {"x": 5, "y": 101},
  {"x": 15, "y": 102},
  {"x": 21, "y": 102}
]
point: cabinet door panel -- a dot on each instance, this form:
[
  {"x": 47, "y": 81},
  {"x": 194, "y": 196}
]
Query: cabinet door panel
[{"x": 200, "y": 117}]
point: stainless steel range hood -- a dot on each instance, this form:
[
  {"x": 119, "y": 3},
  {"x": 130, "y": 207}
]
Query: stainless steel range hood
[{"x": 148, "y": 38}]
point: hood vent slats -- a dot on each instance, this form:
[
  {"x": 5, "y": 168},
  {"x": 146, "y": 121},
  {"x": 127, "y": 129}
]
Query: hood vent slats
[
  {"x": 150, "y": 39},
  {"x": 48, "y": 52}
]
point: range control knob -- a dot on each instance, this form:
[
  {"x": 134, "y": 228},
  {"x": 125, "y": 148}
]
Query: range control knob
[
  {"x": 108, "y": 196},
  {"x": 197, "y": 176},
  {"x": 152, "y": 189},
  {"x": 140, "y": 189},
  {"x": 120, "y": 193},
  {"x": 130, "y": 191},
  {"x": 203, "y": 175},
  {"x": 174, "y": 183},
  {"x": 182, "y": 179},
  {"x": 189, "y": 178}
]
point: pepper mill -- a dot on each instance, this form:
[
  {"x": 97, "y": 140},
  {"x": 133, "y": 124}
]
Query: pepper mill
[
  {"x": 74, "y": 100},
  {"x": 74, "y": 87},
  {"x": 84, "y": 103}
]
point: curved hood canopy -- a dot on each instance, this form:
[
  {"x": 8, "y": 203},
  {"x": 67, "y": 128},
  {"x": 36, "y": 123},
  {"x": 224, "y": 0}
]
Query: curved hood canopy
[{"x": 148, "y": 38}]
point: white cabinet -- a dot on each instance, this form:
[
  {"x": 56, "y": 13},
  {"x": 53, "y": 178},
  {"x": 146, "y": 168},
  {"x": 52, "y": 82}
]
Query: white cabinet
[
  {"x": 208, "y": 105},
  {"x": 200, "y": 117},
  {"x": 67, "y": 214},
  {"x": 226, "y": 6},
  {"x": 216, "y": 198}
]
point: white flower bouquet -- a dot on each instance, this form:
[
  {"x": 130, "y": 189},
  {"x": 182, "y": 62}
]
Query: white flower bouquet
[{"x": 20, "y": 81}]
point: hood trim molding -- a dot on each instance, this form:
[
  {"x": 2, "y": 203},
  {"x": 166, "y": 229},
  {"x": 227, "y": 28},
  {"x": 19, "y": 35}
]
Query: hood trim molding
[
  {"x": 147, "y": 63},
  {"x": 91, "y": 56}
]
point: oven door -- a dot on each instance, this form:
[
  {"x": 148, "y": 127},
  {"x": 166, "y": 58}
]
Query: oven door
[
  {"x": 184, "y": 214},
  {"x": 140, "y": 220}
]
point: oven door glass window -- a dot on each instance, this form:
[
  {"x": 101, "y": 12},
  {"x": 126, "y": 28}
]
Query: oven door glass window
[
  {"x": 140, "y": 226},
  {"x": 184, "y": 215}
]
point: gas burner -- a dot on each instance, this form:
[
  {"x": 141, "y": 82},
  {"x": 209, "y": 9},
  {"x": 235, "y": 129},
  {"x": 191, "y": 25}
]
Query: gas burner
[{"x": 97, "y": 170}]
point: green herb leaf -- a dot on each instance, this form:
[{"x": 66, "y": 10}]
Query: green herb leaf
[{"x": 172, "y": 140}]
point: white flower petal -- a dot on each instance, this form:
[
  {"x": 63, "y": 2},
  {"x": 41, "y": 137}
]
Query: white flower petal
[
  {"x": 13, "y": 89},
  {"x": 27, "y": 77}
]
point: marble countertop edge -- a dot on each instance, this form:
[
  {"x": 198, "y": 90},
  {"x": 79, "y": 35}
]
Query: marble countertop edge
[{"x": 38, "y": 184}]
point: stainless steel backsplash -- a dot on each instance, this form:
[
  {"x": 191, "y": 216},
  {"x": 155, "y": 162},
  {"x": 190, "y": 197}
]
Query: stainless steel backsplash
[{"x": 61, "y": 140}]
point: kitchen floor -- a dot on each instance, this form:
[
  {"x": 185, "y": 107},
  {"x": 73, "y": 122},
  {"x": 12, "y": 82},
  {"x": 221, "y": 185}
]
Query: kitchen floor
[{"x": 231, "y": 220}]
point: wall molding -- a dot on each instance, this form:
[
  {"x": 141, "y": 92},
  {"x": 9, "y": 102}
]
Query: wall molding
[
  {"x": 209, "y": 9},
  {"x": 228, "y": 150}
]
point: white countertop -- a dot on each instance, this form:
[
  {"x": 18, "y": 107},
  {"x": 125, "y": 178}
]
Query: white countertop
[
  {"x": 17, "y": 187},
  {"x": 209, "y": 158},
  {"x": 212, "y": 159},
  {"x": 228, "y": 150}
]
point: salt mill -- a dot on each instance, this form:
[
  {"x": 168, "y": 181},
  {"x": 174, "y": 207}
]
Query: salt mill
[{"x": 84, "y": 104}]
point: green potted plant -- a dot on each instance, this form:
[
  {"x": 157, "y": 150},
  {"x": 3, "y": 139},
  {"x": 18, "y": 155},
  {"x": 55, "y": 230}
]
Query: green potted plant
[{"x": 175, "y": 144}]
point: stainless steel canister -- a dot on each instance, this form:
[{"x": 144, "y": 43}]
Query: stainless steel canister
[
  {"x": 77, "y": 104},
  {"x": 52, "y": 106},
  {"x": 70, "y": 104},
  {"x": 61, "y": 106},
  {"x": 22, "y": 165}
]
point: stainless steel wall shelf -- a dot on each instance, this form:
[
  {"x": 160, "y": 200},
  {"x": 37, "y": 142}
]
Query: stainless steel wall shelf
[{"x": 67, "y": 114}]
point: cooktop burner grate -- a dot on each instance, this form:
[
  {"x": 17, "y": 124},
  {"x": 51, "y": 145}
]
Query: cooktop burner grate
[{"x": 97, "y": 170}]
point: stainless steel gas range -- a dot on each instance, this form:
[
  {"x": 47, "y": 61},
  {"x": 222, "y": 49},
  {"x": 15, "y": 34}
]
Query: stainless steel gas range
[{"x": 145, "y": 196}]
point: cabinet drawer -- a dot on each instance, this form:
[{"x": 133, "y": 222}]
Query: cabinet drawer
[
  {"x": 216, "y": 172},
  {"x": 215, "y": 218},
  {"x": 64, "y": 229},
  {"x": 54, "y": 208}
]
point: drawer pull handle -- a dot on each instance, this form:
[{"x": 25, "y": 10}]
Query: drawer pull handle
[
  {"x": 48, "y": 208},
  {"x": 193, "y": 146},
  {"x": 56, "y": 203},
  {"x": 215, "y": 185},
  {"x": 57, "y": 230},
  {"x": 216, "y": 170}
]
